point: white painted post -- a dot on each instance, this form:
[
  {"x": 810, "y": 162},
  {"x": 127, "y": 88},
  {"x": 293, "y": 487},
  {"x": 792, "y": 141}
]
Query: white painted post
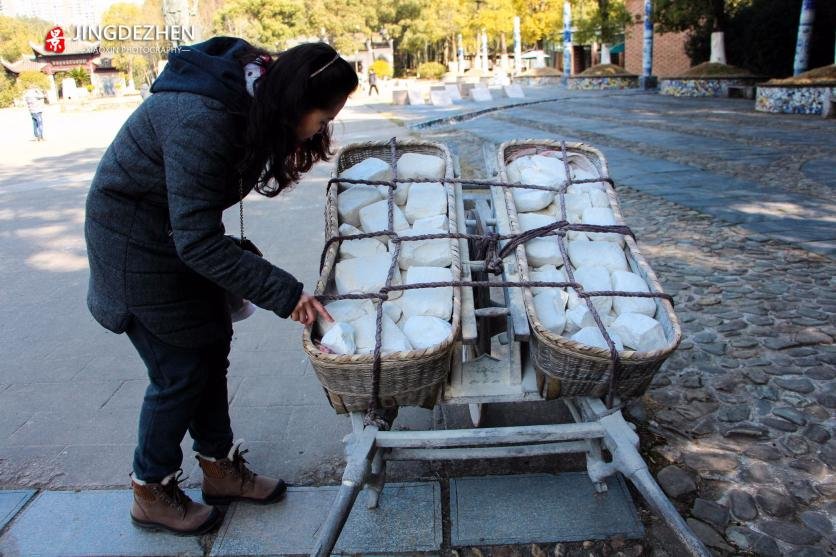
[
  {"x": 718, "y": 48},
  {"x": 485, "y": 51},
  {"x": 460, "y": 54},
  {"x": 805, "y": 29},
  {"x": 517, "y": 46},
  {"x": 605, "y": 54}
]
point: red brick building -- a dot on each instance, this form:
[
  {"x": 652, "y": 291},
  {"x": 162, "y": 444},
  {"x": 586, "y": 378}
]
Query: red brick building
[{"x": 669, "y": 58}]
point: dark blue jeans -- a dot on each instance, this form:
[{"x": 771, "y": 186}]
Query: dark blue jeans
[{"x": 187, "y": 393}]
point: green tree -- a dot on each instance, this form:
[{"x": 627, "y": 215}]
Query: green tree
[
  {"x": 30, "y": 78},
  {"x": 699, "y": 17},
  {"x": 15, "y": 34},
  {"x": 540, "y": 20},
  {"x": 127, "y": 55},
  {"x": 600, "y": 21},
  {"x": 266, "y": 23}
]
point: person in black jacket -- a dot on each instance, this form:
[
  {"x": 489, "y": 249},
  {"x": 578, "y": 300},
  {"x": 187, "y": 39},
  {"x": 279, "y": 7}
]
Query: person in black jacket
[{"x": 224, "y": 119}]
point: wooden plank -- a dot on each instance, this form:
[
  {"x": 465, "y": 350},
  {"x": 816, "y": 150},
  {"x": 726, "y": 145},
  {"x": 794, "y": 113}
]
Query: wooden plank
[
  {"x": 489, "y": 436},
  {"x": 470, "y": 333},
  {"x": 473, "y": 453},
  {"x": 519, "y": 318}
]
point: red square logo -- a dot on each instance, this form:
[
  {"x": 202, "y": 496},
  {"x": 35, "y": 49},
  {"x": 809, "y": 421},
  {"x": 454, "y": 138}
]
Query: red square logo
[{"x": 54, "y": 41}]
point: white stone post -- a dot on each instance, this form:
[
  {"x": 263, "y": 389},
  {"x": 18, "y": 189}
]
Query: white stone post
[
  {"x": 567, "y": 41},
  {"x": 517, "y": 46}
]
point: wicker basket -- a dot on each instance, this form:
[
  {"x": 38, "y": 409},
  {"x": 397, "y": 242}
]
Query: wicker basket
[
  {"x": 411, "y": 378},
  {"x": 566, "y": 367}
]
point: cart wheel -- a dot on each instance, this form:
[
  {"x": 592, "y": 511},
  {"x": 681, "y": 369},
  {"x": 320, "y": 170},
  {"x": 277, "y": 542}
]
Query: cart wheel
[{"x": 475, "y": 414}]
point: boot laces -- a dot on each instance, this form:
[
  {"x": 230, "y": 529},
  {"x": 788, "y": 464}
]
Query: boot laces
[
  {"x": 239, "y": 466},
  {"x": 175, "y": 496}
]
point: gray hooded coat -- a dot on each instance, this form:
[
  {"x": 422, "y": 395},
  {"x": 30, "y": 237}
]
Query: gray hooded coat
[{"x": 155, "y": 238}]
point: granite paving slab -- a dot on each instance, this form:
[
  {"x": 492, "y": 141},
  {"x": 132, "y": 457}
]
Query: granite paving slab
[
  {"x": 11, "y": 502},
  {"x": 539, "y": 508},
  {"x": 408, "y": 520},
  {"x": 89, "y": 523}
]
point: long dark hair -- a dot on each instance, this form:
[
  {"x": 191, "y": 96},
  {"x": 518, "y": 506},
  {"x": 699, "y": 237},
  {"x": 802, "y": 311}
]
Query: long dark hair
[{"x": 286, "y": 92}]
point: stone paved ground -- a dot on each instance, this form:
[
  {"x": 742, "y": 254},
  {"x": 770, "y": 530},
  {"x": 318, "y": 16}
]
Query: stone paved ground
[{"x": 739, "y": 424}]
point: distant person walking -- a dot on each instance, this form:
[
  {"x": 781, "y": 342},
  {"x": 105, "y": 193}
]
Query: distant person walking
[
  {"x": 35, "y": 102},
  {"x": 373, "y": 82}
]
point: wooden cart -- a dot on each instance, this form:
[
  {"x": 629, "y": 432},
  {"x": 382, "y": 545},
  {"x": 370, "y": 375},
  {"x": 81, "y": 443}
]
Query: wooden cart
[{"x": 477, "y": 378}]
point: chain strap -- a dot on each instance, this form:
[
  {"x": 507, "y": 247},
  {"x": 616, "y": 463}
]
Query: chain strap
[{"x": 241, "y": 205}]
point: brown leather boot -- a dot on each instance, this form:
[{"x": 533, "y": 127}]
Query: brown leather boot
[
  {"x": 228, "y": 479},
  {"x": 164, "y": 506}
]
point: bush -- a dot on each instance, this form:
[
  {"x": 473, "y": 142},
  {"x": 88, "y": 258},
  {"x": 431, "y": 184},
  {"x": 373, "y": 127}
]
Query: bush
[
  {"x": 8, "y": 91},
  {"x": 382, "y": 68},
  {"x": 431, "y": 70},
  {"x": 28, "y": 79}
]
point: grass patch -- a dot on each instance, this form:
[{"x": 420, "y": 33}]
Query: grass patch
[
  {"x": 605, "y": 70},
  {"x": 713, "y": 69},
  {"x": 826, "y": 75}
]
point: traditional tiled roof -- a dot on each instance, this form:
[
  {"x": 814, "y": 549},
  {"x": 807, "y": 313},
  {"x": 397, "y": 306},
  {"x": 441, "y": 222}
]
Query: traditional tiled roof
[
  {"x": 70, "y": 48},
  {"x": 23, "y": 65}
]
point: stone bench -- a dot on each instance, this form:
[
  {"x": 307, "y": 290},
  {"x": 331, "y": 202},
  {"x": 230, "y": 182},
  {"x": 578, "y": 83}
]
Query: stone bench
[
  {"x": 828, "y": 109},
  {"x": 740, "y": 91}
]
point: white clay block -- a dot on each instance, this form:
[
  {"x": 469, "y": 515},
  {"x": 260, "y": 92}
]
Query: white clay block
[
  {"x": 364, "y": 275},
  {"x": 640, "y": 332},
  {"x": 574, "y": 299},
  {"x": 594, "y": 279},
  {"x": 344, "y": 311},
  {"x": 425, "y": 253},
  {"x": 515, "y": 168},
  {"x": 552, "y": 212},
  {"x": 375, "y": 217},
  {"x": 577, "y": 318},
  {"x": 546, "y": 273},
  {"x": 531, "y": 200},
  {"x": 353, "y": 199},
  {"x": 543, "y": 251},
  {"x": 401, "y": 192},
  {"x": 529, "y": 221},
  {"x": 368, "y": 169},
  {"x": 363, "y": 247},
  {"x": 552, "y": 166},
  {"x": 625, "y": 281},
  {"x": 418, "y": 165},
  {"x": 550, "y": 309},
  {"x": 576, "y": 203},
  {"x": 602, "y": 216},
  {"x": 340, "y": 339},
  {"x": 535, "y": 176},
  {"x": 591, "y": 336},
  {"x": 426, "y": 199},
  {"x": 346, "y": 229},
  {"x": 436, "y": 221},
  {"x": 582, "y": 169},
  {"x": 393, "y": 310},
  {"x": 599, "y": 198},
  {"x": 584, "y": 253},
  {"x": 393, "y": 338},
  {"x": 425, "y": 331},
  {"x": 437, "y": 302}
]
